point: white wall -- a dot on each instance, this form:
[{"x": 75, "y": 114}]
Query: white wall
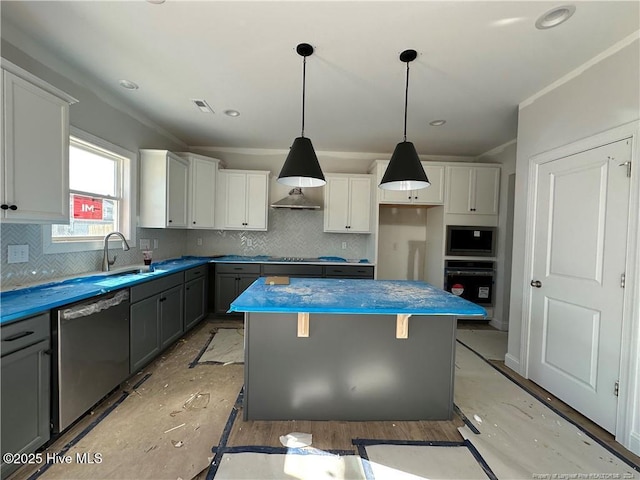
[
  {"x": 402, "y": 242},
  {"x": 505, "y": 155},
  {"x": 603, "y": 96}
]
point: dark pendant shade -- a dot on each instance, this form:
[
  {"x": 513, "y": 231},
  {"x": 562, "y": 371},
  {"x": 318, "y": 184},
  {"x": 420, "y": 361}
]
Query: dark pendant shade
[
  {"x": 405, "y": 171},
  {"x": 301, "y": 168}
]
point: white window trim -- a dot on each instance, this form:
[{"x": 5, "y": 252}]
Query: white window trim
[{"x": 129, "y": 183}]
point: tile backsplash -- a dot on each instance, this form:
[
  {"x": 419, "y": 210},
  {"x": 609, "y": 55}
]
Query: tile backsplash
[
  {"x": 292, "y": 233},
  {"x": 43, "y": 267}
]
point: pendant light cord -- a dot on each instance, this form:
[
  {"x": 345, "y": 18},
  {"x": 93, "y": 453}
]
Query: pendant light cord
[
  {"x": 406, "y": 100},
  {"x": 304, "y": 82}
]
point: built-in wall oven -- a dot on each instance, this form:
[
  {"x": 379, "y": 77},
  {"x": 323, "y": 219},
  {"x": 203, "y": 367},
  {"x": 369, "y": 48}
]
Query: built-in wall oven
[{"x": 472, "y": 280}]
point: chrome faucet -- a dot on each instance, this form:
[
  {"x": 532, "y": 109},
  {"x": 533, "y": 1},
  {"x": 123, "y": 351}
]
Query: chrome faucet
[{"x": 106, "y": 263}]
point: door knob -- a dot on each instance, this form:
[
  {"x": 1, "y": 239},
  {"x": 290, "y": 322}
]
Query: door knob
[{"x": 536, "y": 283}]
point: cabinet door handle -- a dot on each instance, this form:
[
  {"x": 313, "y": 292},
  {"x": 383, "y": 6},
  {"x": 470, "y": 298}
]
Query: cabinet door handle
[
  {"x": 17, "y": 336},
  {"x": 4, "y": 206},
  {"x": 194, "y": 222},
  {"x": 13, "y": 207},
  {"x": 162, "y": 299}
]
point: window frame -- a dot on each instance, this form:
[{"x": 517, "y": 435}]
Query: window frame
[{"x": 128, "y": 204}]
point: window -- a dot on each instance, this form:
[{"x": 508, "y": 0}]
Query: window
[{"x": 101, "y": 195}]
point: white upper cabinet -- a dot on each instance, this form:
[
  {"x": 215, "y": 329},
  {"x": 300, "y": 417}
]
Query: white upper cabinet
[
  {"x": 34, "y": 168},
  {"x": 163, "y": 189},
  {"x": 432, "y": 195},
  {"x": 203, "y": 173},
  {"x": 347, "y": 203},
  {"x": 242, "y": 200},
  {"x": 473, "y": 190}
]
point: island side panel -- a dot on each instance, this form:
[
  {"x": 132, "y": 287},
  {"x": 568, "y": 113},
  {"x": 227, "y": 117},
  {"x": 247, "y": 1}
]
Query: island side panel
[{"x": 351, "y": 367}]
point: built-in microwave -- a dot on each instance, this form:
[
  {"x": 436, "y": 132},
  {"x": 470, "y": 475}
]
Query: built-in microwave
[{"x": 471, "y": 241}]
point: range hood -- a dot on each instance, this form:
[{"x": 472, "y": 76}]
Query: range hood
[{"x": 296, "y": 200}]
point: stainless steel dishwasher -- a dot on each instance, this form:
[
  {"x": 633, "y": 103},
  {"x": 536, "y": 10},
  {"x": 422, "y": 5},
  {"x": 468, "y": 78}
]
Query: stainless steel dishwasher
[{"x": 91, "y": 351}]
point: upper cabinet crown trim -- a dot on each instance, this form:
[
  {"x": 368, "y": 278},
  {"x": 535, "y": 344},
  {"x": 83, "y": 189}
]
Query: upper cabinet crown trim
[{"x": 30, "y": 77}]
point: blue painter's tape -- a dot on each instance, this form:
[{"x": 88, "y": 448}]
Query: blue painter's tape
[
  {"x": 466, "y": 421},
  {"x": 202, "y": 350},
  {"x": 481, "y": 461},
  {"x": 366, "y": 463},
  {"x": 224, "y": 438}
]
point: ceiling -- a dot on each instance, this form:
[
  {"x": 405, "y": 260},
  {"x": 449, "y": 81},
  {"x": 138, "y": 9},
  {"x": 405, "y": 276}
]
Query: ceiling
[{"x": 476, "y": 62}]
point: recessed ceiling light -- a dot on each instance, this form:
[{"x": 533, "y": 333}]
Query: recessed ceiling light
[
  {"x": 555, "y": 17},
  {"x": 156, "y": 2},
  {"x": 437, "y": 123},
  {"x": 232, "y": 113},
  {"x": 129, "y": 85}
]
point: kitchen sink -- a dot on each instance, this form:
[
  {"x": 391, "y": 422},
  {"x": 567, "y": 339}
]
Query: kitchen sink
[{"x": 129, "y": 271}]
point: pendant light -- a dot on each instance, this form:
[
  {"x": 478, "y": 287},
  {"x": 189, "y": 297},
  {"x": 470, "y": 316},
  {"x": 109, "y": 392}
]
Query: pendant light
[
  {"x": 405, "y": 171},
  {"x": 301, "y": 168}
]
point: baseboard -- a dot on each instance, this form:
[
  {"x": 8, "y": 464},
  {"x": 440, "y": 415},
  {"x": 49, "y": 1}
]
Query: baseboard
[
  {"x": 634, "y": 442},
  {"x": 512, "y": 362},
  {"x": 499, "y": 325}
]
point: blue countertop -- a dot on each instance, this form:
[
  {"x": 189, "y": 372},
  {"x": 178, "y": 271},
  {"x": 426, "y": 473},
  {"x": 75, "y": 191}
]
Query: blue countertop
[
  {"x": 288, "y": 260},
  {"x": 349, "y": 296},
  {"x": 25, "y": 302}
]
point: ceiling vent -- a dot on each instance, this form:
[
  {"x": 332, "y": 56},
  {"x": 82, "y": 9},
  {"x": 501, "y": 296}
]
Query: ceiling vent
[{"x": 202, "y": 105}]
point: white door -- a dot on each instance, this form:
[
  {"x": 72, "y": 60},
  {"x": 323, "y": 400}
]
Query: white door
[{"x": 582, "y": 204}]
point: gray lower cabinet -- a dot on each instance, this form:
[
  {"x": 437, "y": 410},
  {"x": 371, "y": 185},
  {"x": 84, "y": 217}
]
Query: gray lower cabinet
[
  {"x": 157, "y": 318},
  {"x": 144, "y": 333},
  {"x": 309, "y": 271},
  {"x": 171, "y": 316},
  {"x": 26, "y": 381},
  {"x": 195, "y": 296},
  {"x": 348, "y": 271},
  {"x": 231, "y": 279}
]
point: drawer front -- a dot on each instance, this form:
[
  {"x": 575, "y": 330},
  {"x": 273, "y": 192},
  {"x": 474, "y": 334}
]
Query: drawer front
[
  {"x": 153, "y": 287},
  {"x": 292, "y": 270},
  {"x": 24, "y": 333},
  {"x": 238, "y": 268},
  {"x": 352, "y": 271},
  {"x": 194, "y": 273}
]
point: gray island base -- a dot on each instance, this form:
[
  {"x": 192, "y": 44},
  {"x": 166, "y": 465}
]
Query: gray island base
[{"x": 359, "y": 350}]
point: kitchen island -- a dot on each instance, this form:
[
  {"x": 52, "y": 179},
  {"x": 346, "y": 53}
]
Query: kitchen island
[{"x": 349, "y": 349}]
